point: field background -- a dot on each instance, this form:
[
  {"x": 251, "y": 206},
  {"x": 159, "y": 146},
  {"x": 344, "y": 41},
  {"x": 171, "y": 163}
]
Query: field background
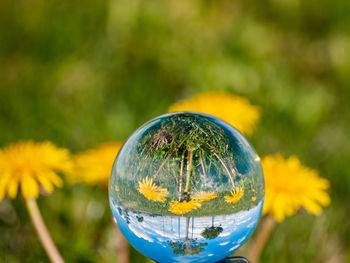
[{"x": 80, "y": 73}]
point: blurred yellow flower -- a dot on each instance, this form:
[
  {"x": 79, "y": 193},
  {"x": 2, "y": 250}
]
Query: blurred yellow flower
[
  {"x": 236, "y": 195},
  {"x": 235, "y": 110},
  {"x": 151, "y": 191},
  {"x": 94, "y": 166},
  {"x": 253, "y": 198},
  {"x": 183, "y": 207},
  {"x": 204, "y": 196},
  {"x": 30, "y": 165},
  {"x": 289, "y": 186}
]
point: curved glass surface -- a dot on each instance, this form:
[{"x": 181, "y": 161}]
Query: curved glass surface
[{"x": 186, "y": 187}]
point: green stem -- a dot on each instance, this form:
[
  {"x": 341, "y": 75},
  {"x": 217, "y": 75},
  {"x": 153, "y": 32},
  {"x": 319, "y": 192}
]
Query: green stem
[
  {"x": 187, "y": 227},
  {"x": 163, "y": 163},
  {"x": 189, "y": 166},
  {"x": 121, "y": 245},
  {"x": 181, "y": 175},
  {"x": 43, "y": 233},
  {"x": 202, "y": 164},
  {"x": 227, "y": 170},
  {"x": 167, "y": 158},
  {"x": 265, "y": 230}
]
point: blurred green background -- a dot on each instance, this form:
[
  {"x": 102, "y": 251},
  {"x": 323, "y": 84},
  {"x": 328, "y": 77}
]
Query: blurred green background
[{"x": 83, "y": 72}]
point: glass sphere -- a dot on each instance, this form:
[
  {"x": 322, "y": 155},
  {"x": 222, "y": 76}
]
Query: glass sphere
[{"x": 186, "y": 187}]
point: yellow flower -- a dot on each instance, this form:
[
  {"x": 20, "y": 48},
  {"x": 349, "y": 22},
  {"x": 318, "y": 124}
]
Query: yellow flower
[
  {"x": 151, "y": 191},
  {"x": 289, "y": 186},
  {"x": 235, "y": 110},
  {"x": 204, "y": 196},
  {"x": 236, "y": 195},
  {"x": 30, "y": 165},
  {"x": 183, "y": 207},
  {"x": 94, "y": 166},
  {"x": 253, "y": 198}
]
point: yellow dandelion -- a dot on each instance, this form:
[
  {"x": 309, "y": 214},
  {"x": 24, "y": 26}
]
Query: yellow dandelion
[
  {"x": 235, "y": 110},
  {"x": 204, "y": 196},
  {"x": 253, "y": 198},
  {"x": 183, "y": 207},
  {"x": 30, "y": 165},
  {"x": 151, "y": 191},
  {"x": 94, "y": 166},
  {"x": 236, "y": 195},
  {"x": 290, "y": 185}
]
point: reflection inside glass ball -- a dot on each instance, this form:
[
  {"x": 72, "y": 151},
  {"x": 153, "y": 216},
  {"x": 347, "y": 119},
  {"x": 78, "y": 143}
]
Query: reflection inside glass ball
[{"x": 186, "y": 187}]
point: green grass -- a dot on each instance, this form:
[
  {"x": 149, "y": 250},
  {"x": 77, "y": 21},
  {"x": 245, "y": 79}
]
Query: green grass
[
  {"x": 131, "y": 199},
  {"x": 79, "y": 74}
]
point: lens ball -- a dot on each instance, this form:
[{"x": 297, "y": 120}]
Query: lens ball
[{"x": 186, "y": 187}]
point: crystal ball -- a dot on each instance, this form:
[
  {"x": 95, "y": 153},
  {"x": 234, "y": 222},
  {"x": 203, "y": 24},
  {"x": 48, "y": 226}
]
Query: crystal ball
[{"x": 186, "y": 187}]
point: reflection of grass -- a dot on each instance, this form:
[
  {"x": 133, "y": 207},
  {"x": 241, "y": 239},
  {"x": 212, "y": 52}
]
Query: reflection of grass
[
  {"x": 130, "y": 198},
  {"x": 176, "y": 160},
  {"x": 200, "y": 143}
]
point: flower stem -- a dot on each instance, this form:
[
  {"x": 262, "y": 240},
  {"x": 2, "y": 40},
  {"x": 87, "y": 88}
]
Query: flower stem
[
  {"x": 121, "y": 246},
  {"x": 42, "y": 232},
  {"x": 202, "y": 164},
  {"x": 163, "y": 163},
  {"x": 227, "y": 170},
  {"x": 189, "y": 166},
  {"x": 181, "y": 173},
  {"x": 187, "y": 227},
  {"x": 263, "y": 235}
]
